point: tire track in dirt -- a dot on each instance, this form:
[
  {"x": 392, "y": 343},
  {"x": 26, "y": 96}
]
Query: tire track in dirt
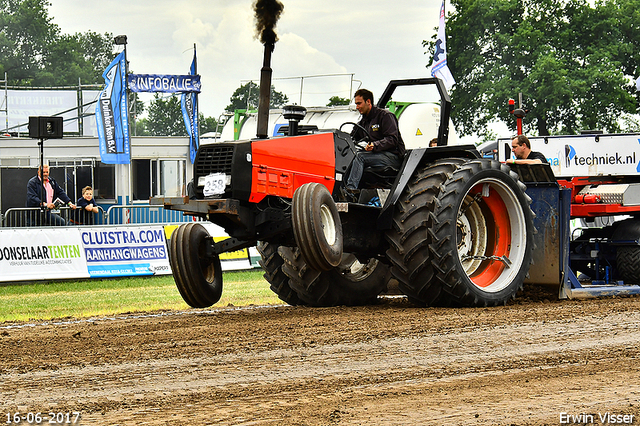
[{"x": 263, "y": 384}]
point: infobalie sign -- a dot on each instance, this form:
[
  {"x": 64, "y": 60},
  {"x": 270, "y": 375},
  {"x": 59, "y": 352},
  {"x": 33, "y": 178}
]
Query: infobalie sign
[{"x": 164, "y": 83}]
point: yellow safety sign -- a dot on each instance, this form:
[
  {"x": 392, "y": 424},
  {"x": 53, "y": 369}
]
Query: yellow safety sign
[{"x": 238, "y": 254}]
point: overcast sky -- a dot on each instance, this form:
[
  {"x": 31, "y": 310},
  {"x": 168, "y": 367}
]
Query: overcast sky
[{"x": 376, "y": 41}]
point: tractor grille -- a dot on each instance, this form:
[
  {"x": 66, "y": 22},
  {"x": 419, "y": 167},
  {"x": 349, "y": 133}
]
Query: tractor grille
[{"x": 214, "y": 159}]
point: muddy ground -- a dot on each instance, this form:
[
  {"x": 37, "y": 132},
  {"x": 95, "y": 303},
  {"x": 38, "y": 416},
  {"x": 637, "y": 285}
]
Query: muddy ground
[{"x": 537, "y": 361}]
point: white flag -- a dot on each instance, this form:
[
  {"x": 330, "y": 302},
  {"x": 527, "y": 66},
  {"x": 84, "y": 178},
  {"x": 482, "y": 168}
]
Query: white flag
[{"x": 439, "y": 68}]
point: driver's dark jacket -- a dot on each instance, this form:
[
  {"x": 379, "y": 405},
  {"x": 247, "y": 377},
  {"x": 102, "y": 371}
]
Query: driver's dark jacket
[{"x": 382, "y": 126}]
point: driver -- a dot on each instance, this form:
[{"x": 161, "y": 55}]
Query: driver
[{"x": 385, "y": 147}]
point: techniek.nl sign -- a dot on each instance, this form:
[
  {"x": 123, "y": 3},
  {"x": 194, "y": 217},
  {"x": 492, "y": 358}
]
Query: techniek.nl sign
[
  {"x": 125, "y": 251},
  {"x": 36, "y": 254},
  {"x": 585, "y": 155}
]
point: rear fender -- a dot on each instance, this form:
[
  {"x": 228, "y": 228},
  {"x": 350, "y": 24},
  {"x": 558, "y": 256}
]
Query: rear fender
[{"x": 413, "y": 160}]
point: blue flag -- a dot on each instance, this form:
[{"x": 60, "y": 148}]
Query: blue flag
[
  {"x": 112, "y": 118},
  {"x": 189, "y": 103}
]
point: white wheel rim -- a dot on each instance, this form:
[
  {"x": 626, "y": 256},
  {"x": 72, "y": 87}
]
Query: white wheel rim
[
  {"x": 475, "y": 232},
  {"x": 328, "y": 225}
]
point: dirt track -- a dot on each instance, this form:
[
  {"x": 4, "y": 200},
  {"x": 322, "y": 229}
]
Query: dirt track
[{"x": 389, "y": 364}]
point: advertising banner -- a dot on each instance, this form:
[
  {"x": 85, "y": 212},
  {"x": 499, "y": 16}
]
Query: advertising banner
[
  {"x": 36, "y": 254},
  {"x": 164, "y": 83},
  {"x": 89, "y": 100},
  {"x": 584, "y": 155},
  {"x": 112, "y": 118},
  {"x": 23, "y": 104},
  {"x": 229, "y": 261},
  {"x": 96, "y": 252},
  {"x": 125, "y": 251}
]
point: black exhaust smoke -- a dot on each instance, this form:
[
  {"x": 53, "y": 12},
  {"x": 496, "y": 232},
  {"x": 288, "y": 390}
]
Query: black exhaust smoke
[{"x": 267, "y": 13}]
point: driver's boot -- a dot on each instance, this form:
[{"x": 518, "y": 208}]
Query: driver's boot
[{"x": 349, "y": 195}]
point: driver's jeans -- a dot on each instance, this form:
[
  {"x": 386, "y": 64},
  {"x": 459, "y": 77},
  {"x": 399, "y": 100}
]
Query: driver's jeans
[{"x": 366, "y": 159}]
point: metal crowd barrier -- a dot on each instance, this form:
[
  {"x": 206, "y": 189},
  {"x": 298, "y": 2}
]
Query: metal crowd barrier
[
  {"x": 34, "y": 216},
  {"x": 140, "y": 214},
  {"x": 115, "y": 215}
]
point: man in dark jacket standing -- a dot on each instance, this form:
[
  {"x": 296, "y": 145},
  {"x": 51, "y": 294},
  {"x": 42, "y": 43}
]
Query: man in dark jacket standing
[
  {"x": 51, "y": 191},
  {"x": 385, "y": 147}
]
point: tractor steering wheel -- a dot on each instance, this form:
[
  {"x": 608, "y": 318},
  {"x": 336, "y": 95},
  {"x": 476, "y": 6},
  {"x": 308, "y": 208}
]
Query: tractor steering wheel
[{"x": 360, "y": 145}]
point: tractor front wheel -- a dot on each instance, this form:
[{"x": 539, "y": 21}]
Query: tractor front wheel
[
  {"x": 316, "y": 226},
  {"x": 197, "y": 274}
]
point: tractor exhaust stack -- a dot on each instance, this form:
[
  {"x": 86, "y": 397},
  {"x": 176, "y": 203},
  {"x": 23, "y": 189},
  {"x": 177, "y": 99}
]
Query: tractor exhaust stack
[
  {"x": 267, "y": 13},
  {"x": 265, "y": 93}
]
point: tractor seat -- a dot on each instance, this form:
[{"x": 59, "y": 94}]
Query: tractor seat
[
  {"x": 383, "y": 172},
  {"x": 379, "y": 177}
]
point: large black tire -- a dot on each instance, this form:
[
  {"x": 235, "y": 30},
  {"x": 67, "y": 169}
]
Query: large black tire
[
  {"x": 316, "y": 226},
  {"x": 628, "y": 257},
  {"x": 271, "y": 263},
  {"x": 198, "y": 276},
  {"x": 462, "y": 234},
  {"x": 351, "y": 283}
]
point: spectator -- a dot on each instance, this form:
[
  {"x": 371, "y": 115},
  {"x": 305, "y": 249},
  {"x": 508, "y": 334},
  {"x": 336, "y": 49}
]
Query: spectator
[
  {"x": 433, "y": 142},
  {"x": 86, "y": 207},
  {"x": 521, "y": 148},
  {"x": 52, "y": 192}
]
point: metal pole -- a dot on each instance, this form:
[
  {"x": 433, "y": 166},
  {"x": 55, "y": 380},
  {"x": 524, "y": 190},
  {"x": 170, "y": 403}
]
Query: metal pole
[
  {"x": 80, "y": 103},
  {"x": 6, "y": 103},
  {"x": 43, "y": 191},
  {"x": 301, "y": 84},
  {"x": 519, "y": 118},
  {"x": 195, "y": 106},
  {"x": 351, "y": 88},
  {"x": 126, "y": 87}
]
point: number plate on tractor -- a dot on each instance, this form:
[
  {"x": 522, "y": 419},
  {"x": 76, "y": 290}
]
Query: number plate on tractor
[{"x": 214, "y": 184}]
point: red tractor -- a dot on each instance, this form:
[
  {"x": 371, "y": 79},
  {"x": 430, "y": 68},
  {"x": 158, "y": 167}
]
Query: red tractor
[{"x": 452, "y": 228}]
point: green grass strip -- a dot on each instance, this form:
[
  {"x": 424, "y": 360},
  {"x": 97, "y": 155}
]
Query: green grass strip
[{"x": 99, "y": 297}]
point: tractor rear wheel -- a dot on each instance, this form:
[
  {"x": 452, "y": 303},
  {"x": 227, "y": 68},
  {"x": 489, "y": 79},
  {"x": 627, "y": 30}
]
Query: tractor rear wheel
[
  {"x": 198, "y": 275},
  {"x": 462, "y": 234},
  {"x": 350, "y": 283},
  {"x": 316, "y": 226},
  {"x": 628, "y": 257},
  {"x": 271, "y": 263}
]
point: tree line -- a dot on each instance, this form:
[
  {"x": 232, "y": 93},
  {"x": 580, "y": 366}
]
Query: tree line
[
  {"x": 35, "y": 53},
  {"x": 574, "y": 61}
]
